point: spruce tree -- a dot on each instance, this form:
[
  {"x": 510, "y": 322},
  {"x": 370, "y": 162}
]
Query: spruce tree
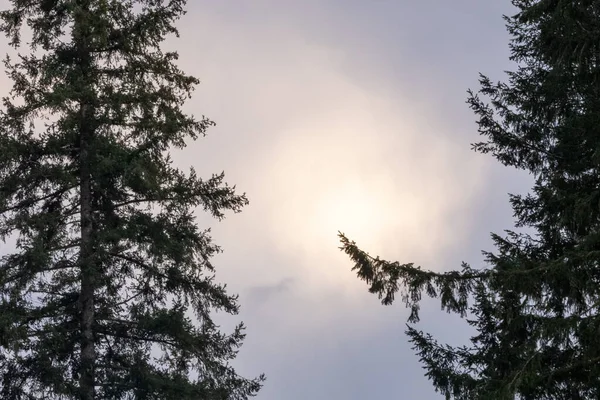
[
  {"x": 109, "y": 293},
  {"x": 535, "y": 303}
]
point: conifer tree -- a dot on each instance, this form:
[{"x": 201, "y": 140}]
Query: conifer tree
[
  {"x": 109, "y": 292},
  {"x": 535, "y": 304}
]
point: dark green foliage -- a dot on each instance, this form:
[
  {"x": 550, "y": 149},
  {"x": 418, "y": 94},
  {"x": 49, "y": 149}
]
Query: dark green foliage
[
  {"x": 536, "y": 304},
  {"x": 109, "y": 293}
]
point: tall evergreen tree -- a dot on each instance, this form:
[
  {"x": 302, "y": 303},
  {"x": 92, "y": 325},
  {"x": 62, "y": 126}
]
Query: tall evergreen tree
[
  {"x": 535, "y": 305},
  {"x": 110, "y": 292}
]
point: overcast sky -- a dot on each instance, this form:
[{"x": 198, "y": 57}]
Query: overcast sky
[{"x": 343, "y": 115}]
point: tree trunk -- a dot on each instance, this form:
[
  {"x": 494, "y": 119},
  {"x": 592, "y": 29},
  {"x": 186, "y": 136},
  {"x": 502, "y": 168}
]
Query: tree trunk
[
  {"x": 88, "y": 354},
  {"x": 86, "y": 255}
]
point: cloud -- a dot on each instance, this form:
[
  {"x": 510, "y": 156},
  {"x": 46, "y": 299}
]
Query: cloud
[
  {"x": 317, "y": 152},
  {"x": 262, "y": 294}
]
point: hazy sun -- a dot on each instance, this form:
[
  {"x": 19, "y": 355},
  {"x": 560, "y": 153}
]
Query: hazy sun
[{"x": 351, "y": 208}]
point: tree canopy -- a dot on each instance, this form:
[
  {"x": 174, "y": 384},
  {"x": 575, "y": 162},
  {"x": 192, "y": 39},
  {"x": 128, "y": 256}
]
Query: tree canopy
[
  {"x": 109, "y": 292},
  {"x": 535, "y": 304}
]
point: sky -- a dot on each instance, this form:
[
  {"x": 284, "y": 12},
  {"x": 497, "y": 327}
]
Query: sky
[
  {"x": 351, "y": 116},
  {"x": 344, "y": 115}
]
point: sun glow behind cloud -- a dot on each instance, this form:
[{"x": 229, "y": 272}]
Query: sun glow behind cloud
[
  {"x": 318, "y": 152},
  {"x": 364, "y": 172}
]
